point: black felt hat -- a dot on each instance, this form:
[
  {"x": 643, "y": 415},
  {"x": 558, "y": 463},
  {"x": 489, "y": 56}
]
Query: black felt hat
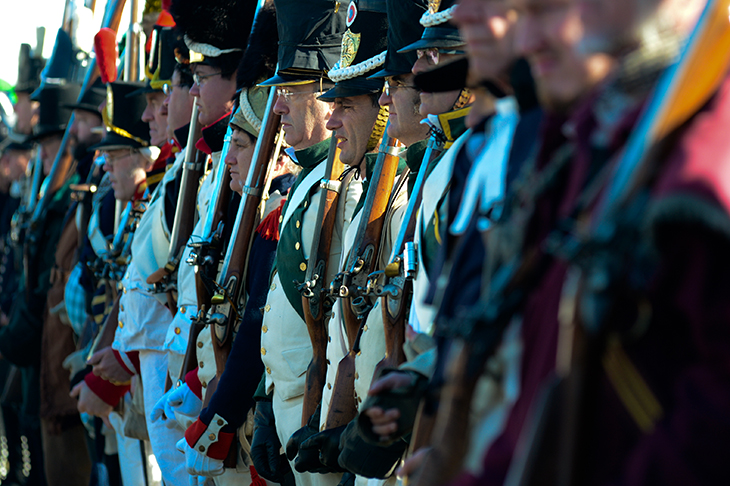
[
  {"x": 54, "y": 113},
  {"x": 63, "y": 67},
  {"x": 92, "y": 98},
  {"x": 16, "y": 141},
  {"x": 364, "y": 46},
  {"x": 403, "y": 29},
  {"x": 123, "y": 118},
  {"x": 29, "y": 70},
  {"x": 215, "y": 31},
  {"x": 438, "y": 32},
  {"x": 310, "y": 38}
]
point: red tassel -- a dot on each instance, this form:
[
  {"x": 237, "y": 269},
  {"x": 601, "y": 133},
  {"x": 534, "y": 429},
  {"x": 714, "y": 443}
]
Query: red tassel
[
  {"x": 256, "y": 480},
  {"x": 105, "y": 48},
  {"x": 165, "y": 19},
  {"x": 269, "y": 226}
]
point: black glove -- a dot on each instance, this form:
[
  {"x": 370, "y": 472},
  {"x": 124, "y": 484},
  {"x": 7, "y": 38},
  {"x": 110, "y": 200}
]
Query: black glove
[
  {"x": 312, "y": 427},
  {"x": 265, "y": 446},
  {"x": 365, "y": 459},
  {"x": 406, "y": 399},
  {"x": 320, "y": 452},
  {"x": 348, "y": 479}
]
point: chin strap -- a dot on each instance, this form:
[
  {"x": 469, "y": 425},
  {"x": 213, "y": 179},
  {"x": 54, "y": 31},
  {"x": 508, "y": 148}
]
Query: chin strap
[
  {"x": 463, "y": 99},
  {"x": 378, "y": 128}
]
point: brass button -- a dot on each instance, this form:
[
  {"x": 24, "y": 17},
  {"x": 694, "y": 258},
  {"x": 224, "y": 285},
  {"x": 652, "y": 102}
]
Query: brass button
[
  {"x": 359, "y": 399},
  {"x": 281, "y": 218},
  {"x": 211, "y": 436},
  {"x": 303, "y": 266},
  {"x": 204, "y": 384},
  {"x": 356, "y": 375},
  {"x": 201, "y": 364},
  {"x": 297, "y": 246},
  {"x": 121, "y": 324},
  {"x": 177, "y": 330},
  {"x": 364, "y": 328},
  {"x": 263, "y": 351},
  {"x": 299, "y": 223},
  {"x": 220, "y": 422},
  {"x": 273, "y": 286},
  {"x": 328, "y": 362},
  {"x": 121, "y": 307},
  {"x": 124, "y": 290},
  {"x": 200, "y": 344},
  {"x": 329, "y": 339},
  {"x": 268, "y": 370},
  {"x": 201, "y": 448},
  {"x": 182, "y": 309},
  {"x": 267, "y": 308},
  {"x": 329, "y": 387},
  {"x": 306, "y": 203},
  {"x": 264, "y": 329},
  {"x": 359, "y": 353}
]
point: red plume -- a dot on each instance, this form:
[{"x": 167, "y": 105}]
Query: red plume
[{"x": 105, "y": 47}]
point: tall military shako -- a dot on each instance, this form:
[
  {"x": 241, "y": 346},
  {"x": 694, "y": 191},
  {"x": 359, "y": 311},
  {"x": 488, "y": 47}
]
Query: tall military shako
[
  {"x": 57, "y": 90},
  {"x": 257, "y": 64},
  {"x": 403, "y": 29},
  {"x": 30, "y": 65},
  {"x": 215, "y": 31},
  {"x": 122, "y": 116},
  {"x": 363, "y": 51},
  {"x": 310, "y": 36},
  {"x": 93, "y": 97}
]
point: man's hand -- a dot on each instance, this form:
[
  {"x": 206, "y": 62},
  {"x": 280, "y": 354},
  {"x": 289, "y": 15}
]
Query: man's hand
[
  {"x": 90, "y": 403},
  {"x": 413, "y": 463},
  {"x": 385, "y": 421},
  {"x": 107, "y": 367}
]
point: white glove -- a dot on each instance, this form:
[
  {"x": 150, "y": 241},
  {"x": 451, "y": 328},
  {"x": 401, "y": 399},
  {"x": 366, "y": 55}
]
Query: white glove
[
  {"x": 198, "y": 464},
  {"x": 179, "y": 407}
]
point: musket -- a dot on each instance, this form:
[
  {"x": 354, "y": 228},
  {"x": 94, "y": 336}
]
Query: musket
[
  {"x": 184, "y": 222},
  {"x": 397, "y": 290},
  {"x": 225, "y": 304},
  {"x": 352, "y": 285},
  {"x": 316, "y": 301}
]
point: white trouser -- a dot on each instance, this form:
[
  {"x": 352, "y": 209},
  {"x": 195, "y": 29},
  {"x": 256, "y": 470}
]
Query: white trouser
[
  {"x": 153, "y": 366},
  {"x": 130, "y": 454},
  {"x": 288, "y": 416}
]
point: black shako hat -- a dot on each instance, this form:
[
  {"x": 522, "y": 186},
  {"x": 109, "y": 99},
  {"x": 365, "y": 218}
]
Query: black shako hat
[
  {"x": 364, "y": 46},
  {"x": 55, "y": 112},
  {"x": 93, "y": 97},
  {"x": 310, "y": 38},
  {"x": 215, "y": 31},
  {"x": 29, "y": 70},
  {"x": 438, "y": 32},
  {"x": 403, "y": 29},
  {"x": 123, "y": 118},
  {"x": 63, "y": 67}
]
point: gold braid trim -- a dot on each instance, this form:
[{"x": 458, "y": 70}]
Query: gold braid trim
[
  {"x": 463, "y": 99},
  {"x": 120, "y": 131},
  {"x": 378, "y": 128}
]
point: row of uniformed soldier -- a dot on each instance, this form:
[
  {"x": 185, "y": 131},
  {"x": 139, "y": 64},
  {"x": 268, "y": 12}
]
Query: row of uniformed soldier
[{"x": 480, "y": 248}]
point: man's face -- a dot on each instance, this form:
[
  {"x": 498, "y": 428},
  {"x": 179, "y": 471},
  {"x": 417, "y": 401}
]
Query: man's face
[
  {"x": 84, "y": 121},
  {"x": 213, "y": 93},
  {"x": 303, "y": 116},
  {"x": 156, "y": 115},
  {"x": 435, "y": 103},
  {"x": 547, "y": 33},
  {"x": 404, "y": 104},
  {"x": 13, "y": 164},
  {"x": 486, "y": 26},
  {"x": 126, "y": 170},
  {"x": 49, "y": 148},
  {"x": 239, "y": 157},
  {"x": 352, "y": 120},
  {"x": 26, "y": 112},
  {"x": 179, "y": 105}
]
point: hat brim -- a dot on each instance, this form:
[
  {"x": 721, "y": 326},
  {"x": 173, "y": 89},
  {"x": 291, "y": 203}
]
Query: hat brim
[
  {"x": 348, "y": 88},
  {"x": 142, "y": 91},
  {"x": 384, "y": 73},
  {"x": 41, "y": 131},
  {"x": 113, "y": 141},
  {"x": 433, "y": 43},
  {"x": 84, "y": 107},
  {"x": 288, "y": 80},
  {"x": 446, "y": 77}
]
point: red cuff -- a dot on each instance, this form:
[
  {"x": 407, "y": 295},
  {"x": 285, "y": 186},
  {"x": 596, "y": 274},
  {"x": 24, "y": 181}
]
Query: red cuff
[
  {"x": 132, "y": 356},
  {"x": 110, "y": 394},
  {"x": 216, "y": 450},
  {"x": 193, "y": 382}
]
